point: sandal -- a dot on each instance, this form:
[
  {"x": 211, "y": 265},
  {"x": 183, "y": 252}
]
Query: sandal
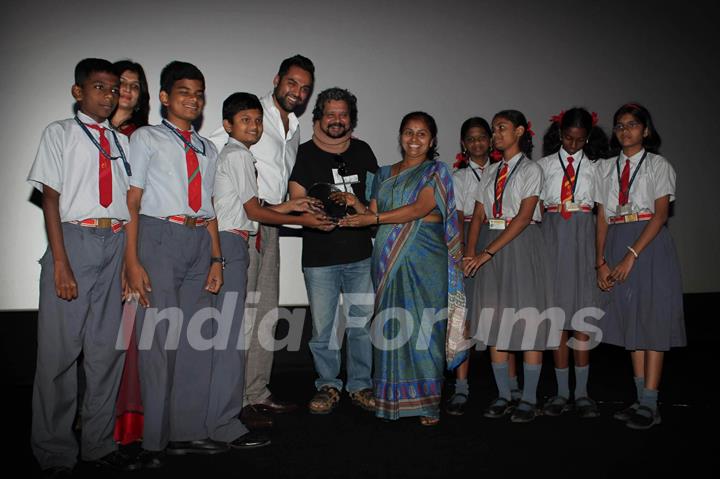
[
  {"x": 364, "y": 399},
  {"x": 324, "y": 401},
  {"x": 429, "y": 421}
]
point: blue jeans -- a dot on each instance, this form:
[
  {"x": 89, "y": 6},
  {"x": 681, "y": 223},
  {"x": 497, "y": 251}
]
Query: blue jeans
[{"x": 324, "y": 285}]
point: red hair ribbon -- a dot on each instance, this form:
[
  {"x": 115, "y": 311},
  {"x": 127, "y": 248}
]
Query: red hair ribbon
[
  {"x": 557, "y": 118},
  {"x": 495, "y": 155},
  {"x": 595, "y": 119},
  {"x": 460, "y": 160},
  {"x": 529, "y": 129}
]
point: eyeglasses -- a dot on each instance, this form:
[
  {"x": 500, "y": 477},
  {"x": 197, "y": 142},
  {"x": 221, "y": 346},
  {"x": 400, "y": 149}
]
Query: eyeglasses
[
  {"x": 341, "y": 165},
  {"x": 631, "y": 125},
  {"x": 473, "y": 139}
]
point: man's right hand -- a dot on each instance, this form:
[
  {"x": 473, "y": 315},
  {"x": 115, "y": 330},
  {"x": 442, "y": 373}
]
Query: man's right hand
[
  {"x": 318, "y": 221},
  {"x": 65, "y": 284},
  {"x": 138, "y": 282}
]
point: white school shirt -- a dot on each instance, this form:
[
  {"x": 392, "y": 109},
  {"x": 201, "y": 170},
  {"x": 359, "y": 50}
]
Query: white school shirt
[
  {"x": 526, "y": 181},
  {"x": 655, "y": 179},
  {"x": 586, "y": 187},
  {"x": 274, "y": 154},
  {"x": 68, "y": 162},
  {"x": 465, "y": 182},
  {"x": 160, "y": 169},
  {"x": 235, "y": 184}
]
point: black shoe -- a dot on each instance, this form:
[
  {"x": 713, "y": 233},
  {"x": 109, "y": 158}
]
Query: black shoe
[
  {"x": 117, "y": 461},
  {"x": 275, "y": 406},
  {"x": 254, "y": 418},
  {"x": 251, "y": 440},
  {"x": 644, "y": 418},
  {"x": 201, "y": 446},
  {"x": 586, "y": 408},
  {"x": 500, "y": 407},
  {"x": 57, "y": 472},
  {"x": 524, "y": 414},
  {"x": 151, "y": 459},
  {"x": 626, "y": 413},
  {"x": 456, "y": 404},
  {"x": 555, "y": 406}
]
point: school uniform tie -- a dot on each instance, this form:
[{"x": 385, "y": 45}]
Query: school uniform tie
[
  {"x": 193, "y": 173},
  {"x": 566, "y": 193},
  {"x": 624, "y": 195},
  {"x": 499, "y": 188},
  {"x": 104, "y": 168}
]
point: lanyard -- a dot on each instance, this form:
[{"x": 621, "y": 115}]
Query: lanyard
[
  {"x": 188, "y": 145},
  {"x": 573, "y": 184},
  {"x": 481, "y": 168},
  {"x": 507, "y": 181},
  {"x": 632, "y": 178},
  {"x": 107, "y": 154}
]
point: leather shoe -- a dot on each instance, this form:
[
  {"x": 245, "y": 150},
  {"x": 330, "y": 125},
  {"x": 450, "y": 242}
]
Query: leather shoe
[
  {"x": 644, "y": 418},
  {"x": 151, "y": 459},
  {"x": 202, "y": 446},
  {"x": 251, "y": 440},
  {"x": 556, "y": 406},
  {"x": 626, "y": 413},
  {"x": 274, "y": 406},
  {"x": 253, "y": 418},
  {"x": 500, "y": 407},
  {"x": 117, "y": 461},
  {"x": 456, "y": 404},
  {"x": 586, "y": 408},
  {"x": 57, "y": 472},
  {"x": 524, "y": 412}
]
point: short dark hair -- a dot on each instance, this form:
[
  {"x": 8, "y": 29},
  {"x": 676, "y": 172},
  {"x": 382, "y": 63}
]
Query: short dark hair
[
  {"x": 576, "y": 117},
  {"x": 432, "y": 153},
  {"x": 651, "y": 142},
  {"x": 140, "y": 115},
  {"x": 238, "y": 102},
  {"x": 518, "y": 119},
  {"x": 177, "y": 70},
  {"x": 297, "y": 61},
  {"x": 336, "y": 94},
  {"x": 86, "y": 67}
]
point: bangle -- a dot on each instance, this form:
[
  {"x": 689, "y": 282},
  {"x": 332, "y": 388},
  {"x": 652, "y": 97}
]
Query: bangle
[
  {"x": 218, "y": 259},
  {"x": 377, "y": 218},
  {"x": 634, "y": 253},
  {"x": 604, "y": 262},
  {"x": 488, "y": 252}
]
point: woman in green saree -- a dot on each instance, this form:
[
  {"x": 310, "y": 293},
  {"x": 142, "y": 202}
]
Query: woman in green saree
[{"x": 417, "y": 273}]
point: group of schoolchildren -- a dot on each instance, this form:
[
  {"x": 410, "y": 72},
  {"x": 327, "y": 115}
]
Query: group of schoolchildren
[
  {"x": 532, "y": 241},
  {"x": 135, "y": 219}
]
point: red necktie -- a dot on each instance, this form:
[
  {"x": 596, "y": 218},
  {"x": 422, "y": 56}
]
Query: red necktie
[
  {"x": 193, "y": 172},
  {"x": 624, "y": 195},
  {"x": 104, "y": 168},
  {"x": 499, "y": 188},
  {"x": 566, "y": 193}
]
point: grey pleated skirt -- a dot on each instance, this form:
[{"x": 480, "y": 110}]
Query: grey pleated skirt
[
  {"x": 646, "y": 311},
  {"x": 570, "y": 250},
  {"x": 469, "y": 282},
  {"x": 511, "y": 295}
]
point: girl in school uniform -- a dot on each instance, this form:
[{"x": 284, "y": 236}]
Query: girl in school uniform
[
  {"x": 571, "y": 146},
  {"x": 511, "y": 279},
  {"x": 636, "y": 258},
  {"x": 470, "y": 165}
]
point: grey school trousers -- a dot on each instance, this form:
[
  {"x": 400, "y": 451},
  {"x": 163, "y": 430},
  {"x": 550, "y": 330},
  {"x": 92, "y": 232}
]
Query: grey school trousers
[
  {"x": 90, "y": 323},
  {"x": 174, "y": 333},
  {"x": 228, "y": 373},
  {"x": 263, "y": 279}
]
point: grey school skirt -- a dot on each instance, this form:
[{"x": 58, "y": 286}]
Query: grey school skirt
[
  {"x": 570, "y": 250},
  {"x": 469, "y": 282},
  {"x": 510, "y": 297},
  {"x": 646, "y": 311}
]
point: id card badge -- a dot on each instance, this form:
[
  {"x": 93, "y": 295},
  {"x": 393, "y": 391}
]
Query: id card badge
[
  {"x": 624, "y": 209},
  {"x": 631, "y": 218},
  {"x": 497, "y": 224},
  {"x": 571, "y": 206}
]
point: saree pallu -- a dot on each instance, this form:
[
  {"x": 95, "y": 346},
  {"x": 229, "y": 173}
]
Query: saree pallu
[{"x": 416, "y": 274}]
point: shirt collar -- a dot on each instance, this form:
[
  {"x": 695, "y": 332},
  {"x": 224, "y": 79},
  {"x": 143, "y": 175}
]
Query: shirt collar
[
  {"x": 578, "y": 156},
  {"x": 513, "y": 161},
  {"x": 192, "y": 128},
  {"x": 633, "y": 159},
  {"x": 475, "y": 166},
  {"x": 89, "y": 121},
  {"x": 270, "y": 109},
  {"x": 239, "y": 144}
]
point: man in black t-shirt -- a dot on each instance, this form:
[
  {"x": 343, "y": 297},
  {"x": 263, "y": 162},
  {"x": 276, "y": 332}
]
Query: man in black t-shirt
[{"x": 337, "y": 260}]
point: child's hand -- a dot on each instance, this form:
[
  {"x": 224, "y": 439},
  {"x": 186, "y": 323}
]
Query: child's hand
[
  {"x": 65, "y": 284},
  {"x": 215, "y": 278},
  {"x": 307, "y": 204},
  {"x": 138, "y": 283},
  {"x": 604, "y": 280},
  {"x": 473, "y": 263},
  {"x": 318, "y": 221},
  {"x": 622, "y": 270}
]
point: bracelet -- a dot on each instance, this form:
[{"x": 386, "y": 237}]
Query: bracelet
[
  {"x": 634, "y": 253},
  {"x": 488, "y": 252},
  {"x": 218, "y": 259},
  {"x": 377, "y": 218},
  {"x": 604, "y": 262}
]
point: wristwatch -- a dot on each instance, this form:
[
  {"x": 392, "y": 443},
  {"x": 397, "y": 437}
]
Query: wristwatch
[{"x": 218, "y": 259}]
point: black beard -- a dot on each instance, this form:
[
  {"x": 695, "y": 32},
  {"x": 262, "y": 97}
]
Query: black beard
[
  {"x": 281, "y": 101},
  {"x": 335, "y": 135}
]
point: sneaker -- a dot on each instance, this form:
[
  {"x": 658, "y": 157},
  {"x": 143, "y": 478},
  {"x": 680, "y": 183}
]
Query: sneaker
[
  {"x": 324, "y": 401},
  {"x": 555, "y": 406},
  {"x": 644, "y": 418},
  {"x": 365, "y": 398}
]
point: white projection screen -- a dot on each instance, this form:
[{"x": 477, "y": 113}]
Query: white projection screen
[{"x": 453, "y": 59}]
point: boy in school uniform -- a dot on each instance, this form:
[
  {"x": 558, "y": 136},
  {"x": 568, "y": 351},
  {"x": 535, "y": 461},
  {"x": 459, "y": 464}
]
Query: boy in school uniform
[
  {"x": 238, "y": 213},
  {"x": 173, "y": 263},
  {"x": 81, "y": 167}
]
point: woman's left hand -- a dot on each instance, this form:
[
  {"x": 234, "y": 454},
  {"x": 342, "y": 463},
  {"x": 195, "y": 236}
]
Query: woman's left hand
[
  {"x": 358, "y": 221},
  {"x": 622, "y": 270}
]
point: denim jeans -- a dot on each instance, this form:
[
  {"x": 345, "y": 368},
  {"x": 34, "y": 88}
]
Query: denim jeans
[{"x": 324, "y": 285}]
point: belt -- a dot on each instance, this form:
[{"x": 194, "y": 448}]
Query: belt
[
  {"x": 189, "y": 221},
  {"x": 507, "y": 221},
  {"x": 558, "y": 209},
  {"x": 244, "y": 234},
  {"x": 632, "y": 218},
  {"x": 112, "y": 223}
]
